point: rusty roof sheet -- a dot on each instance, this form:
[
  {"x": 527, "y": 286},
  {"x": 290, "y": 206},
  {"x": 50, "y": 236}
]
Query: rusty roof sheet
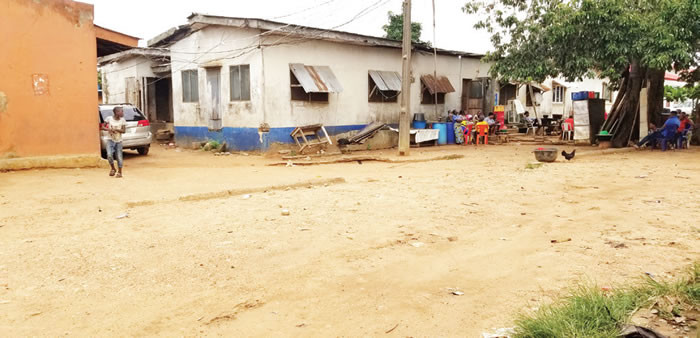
[
  {"x": 316, "y": 79},
  {"x": 440, "y": 85},
  {"x": 386, "y": 81}
]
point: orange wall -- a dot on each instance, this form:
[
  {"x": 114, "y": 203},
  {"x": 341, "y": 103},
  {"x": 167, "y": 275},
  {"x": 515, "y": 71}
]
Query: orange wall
[{"x": 55, "y": 40}]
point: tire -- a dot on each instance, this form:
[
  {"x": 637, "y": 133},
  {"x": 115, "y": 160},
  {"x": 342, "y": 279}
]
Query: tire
[{"x": 143, "y": 150}]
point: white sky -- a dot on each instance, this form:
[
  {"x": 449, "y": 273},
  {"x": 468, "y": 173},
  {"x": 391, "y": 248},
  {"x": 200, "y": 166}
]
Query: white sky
[{"x": 148, "y": 18}]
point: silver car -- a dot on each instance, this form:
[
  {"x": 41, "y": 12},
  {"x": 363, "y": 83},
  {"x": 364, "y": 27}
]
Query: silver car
[{"x": 138, "y": 130}]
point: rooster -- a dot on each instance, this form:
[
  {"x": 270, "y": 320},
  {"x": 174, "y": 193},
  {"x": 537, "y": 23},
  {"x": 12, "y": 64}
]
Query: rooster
[{"x": 568, "y": 157}]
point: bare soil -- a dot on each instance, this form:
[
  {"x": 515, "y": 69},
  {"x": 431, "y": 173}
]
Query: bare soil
[{"x": 367, "y": 248}]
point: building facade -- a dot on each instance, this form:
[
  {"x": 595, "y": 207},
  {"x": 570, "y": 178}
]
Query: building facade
[
  {"x": 250, "y": 82},
  {"x": 48, "y": 94}
]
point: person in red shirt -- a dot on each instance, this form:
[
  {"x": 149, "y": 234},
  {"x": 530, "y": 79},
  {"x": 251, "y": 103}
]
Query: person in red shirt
[{"x": 685, "y": 126}]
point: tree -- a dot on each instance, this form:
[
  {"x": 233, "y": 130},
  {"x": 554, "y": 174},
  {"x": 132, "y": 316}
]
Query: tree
[
  {"x": 394, "y": 29},
  {"x": 631, "y": 42}
]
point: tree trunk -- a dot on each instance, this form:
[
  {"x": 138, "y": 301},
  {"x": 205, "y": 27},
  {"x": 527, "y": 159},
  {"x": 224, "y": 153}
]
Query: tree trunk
[
  {"x": 655, "y": 98},
  {"x": 621, "y": 122}
]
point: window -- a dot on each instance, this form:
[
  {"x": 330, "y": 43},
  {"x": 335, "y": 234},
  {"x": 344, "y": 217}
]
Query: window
[
  {"x": 388, "y": 88},
  {"x": 299, "y": 94},
  {"x": 432, "y": 86},
  {"x": 558, "y": 94},
  {"x": 240, "y": 82},
  {"x": 430, "y": 98},
  {"x": 190, "y": 86}
]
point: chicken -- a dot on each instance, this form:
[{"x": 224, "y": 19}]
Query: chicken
[{"x": 567, "y": 156}]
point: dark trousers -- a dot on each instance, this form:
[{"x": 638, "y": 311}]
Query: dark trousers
[{"x": 651, "y": 139}]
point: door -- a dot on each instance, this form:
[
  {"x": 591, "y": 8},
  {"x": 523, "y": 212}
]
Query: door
[
  {"x": 214, "y": 91},
  {"x": 473, "y": 96}
]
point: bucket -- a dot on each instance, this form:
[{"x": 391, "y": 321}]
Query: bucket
[
  {"x": 450, "y": 133},
  {"x": 418, "y": 117},
  {"x": 419, "y": 124},
  {"x": 442, "y": 127}
]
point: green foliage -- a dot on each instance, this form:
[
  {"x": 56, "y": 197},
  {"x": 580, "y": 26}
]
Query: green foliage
[
  {"x": 394, "y": 29},
  {"x": 540, "y": 38},
  {"x": 589, "y": 311}
]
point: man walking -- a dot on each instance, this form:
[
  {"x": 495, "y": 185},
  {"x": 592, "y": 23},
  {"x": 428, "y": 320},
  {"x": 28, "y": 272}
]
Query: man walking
[{"x": 116, "y": 126}]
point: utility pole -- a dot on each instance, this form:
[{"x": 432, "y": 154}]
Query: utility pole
[{"x": 405, "y": 114}]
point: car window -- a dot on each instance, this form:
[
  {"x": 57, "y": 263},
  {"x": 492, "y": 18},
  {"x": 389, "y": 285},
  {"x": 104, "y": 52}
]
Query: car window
[{"x": 130, "y": 114}]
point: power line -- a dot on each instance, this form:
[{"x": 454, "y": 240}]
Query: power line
[{"x": 248, "y": 49}]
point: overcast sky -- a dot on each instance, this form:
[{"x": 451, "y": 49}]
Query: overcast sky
[{"x": 148, "y": 18}]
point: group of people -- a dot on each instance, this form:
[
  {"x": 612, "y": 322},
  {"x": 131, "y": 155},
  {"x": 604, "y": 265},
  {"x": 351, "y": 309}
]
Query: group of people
[
  {"x": 467, "y": 125},
  {"x": 675, "y": 131}
]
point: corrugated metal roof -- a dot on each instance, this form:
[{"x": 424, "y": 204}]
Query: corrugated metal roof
[
  {"x": 386, "y": 81},
  {"x": 440, "y": 85},
  {"x": 316, "y": 79}
]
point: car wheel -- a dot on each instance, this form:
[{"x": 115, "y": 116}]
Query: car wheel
[{"x": 143, "y": 150}]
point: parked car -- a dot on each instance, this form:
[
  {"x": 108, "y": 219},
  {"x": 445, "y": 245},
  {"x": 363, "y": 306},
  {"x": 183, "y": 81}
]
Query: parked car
[{"x": 138, "y": 130}]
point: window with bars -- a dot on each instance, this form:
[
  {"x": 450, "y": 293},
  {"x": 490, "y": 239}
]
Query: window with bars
[
  {"x": 190, "y": 86},
  {"x": 558, "y": 94},
  {"x": 240, "y": 82}
]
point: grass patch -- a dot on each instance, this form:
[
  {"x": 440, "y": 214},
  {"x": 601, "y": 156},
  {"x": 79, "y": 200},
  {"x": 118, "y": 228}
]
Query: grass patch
[{"x": 588, "y": 311}]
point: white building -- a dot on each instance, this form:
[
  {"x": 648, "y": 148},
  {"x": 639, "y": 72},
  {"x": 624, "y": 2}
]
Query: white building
[
  {"x": 250, "y": 82},
  {"x": 140, "y": 76},
  {"x": 553, "y": 96}
]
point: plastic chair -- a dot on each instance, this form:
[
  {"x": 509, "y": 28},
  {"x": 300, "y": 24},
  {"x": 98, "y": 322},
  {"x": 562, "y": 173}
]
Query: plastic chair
[
  {"x": 468, "y": 134},
  {"x": 566, "y": 132},
  {"x": 483, "y": 131}
]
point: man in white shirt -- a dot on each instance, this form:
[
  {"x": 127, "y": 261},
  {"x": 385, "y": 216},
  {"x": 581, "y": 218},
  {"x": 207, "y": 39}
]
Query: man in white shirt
[
  {"x": 493, "y": 125},
  {"x": 116, "y": 126}
]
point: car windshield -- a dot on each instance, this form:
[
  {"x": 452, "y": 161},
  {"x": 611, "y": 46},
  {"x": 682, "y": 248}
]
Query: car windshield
[{"x": 130, "y": 114}]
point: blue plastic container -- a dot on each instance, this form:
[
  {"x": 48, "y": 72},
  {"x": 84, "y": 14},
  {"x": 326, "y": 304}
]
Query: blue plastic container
[
  {"x": 419, "y": 124},
  {"x": 442, "y": 127},
  {"x": 579, "y": 96},
  {"x": 450, "y": 133}
]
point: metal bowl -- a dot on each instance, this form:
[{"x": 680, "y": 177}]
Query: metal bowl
[{"x": 546, "y": 154}]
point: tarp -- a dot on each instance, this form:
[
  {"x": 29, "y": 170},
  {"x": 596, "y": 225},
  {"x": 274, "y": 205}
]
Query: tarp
[
  {"x": 316, "y": 79},
  {"x": 440, "y": 85},
  {"x": 386, "y": 81}
]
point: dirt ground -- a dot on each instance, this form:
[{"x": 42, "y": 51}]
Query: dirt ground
[{"x": 367, "y": 248}]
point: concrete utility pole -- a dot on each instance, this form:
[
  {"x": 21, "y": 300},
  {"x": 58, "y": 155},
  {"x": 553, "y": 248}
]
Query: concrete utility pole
[{"x": 405, "y": 114}]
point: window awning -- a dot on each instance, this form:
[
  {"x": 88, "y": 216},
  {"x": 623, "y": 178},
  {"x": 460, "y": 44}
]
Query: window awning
[
  {"x": 562, "y": 84},
  {"x": 386, "y": 81},
  {"x": 440, "y": 85},
  {"x": 316, "y": 79},
  {"x": 540, "y": 86}
]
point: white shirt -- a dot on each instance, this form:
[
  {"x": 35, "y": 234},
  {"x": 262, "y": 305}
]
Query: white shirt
[{"x": 114, "y": 124}]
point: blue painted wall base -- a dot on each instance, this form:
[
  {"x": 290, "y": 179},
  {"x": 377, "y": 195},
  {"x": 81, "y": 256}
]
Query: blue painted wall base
[{"x": 246, "y": 139}]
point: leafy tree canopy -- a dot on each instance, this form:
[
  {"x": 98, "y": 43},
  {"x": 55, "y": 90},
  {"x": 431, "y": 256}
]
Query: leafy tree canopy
[
  {"x": 535, "y": 39},
  {"x": 394, "y": 29}
]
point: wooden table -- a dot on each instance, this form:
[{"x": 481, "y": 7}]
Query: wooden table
[{"x": 311, "y": 131}]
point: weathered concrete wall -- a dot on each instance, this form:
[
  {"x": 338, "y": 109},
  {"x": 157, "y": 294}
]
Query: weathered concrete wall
[
  {"x": 114, "y": 77},
  {"x": 48, "y": 79},
  {"x": 270, "y": 85}
]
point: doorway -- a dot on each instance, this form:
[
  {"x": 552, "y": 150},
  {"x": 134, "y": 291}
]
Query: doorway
[
  {"x": 164, "y": 103},
  {"x": 214, "y": 91}
]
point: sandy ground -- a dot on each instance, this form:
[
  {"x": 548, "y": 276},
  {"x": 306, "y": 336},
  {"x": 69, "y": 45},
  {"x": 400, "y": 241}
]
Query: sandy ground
[{"x": 382, "y": 250}]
